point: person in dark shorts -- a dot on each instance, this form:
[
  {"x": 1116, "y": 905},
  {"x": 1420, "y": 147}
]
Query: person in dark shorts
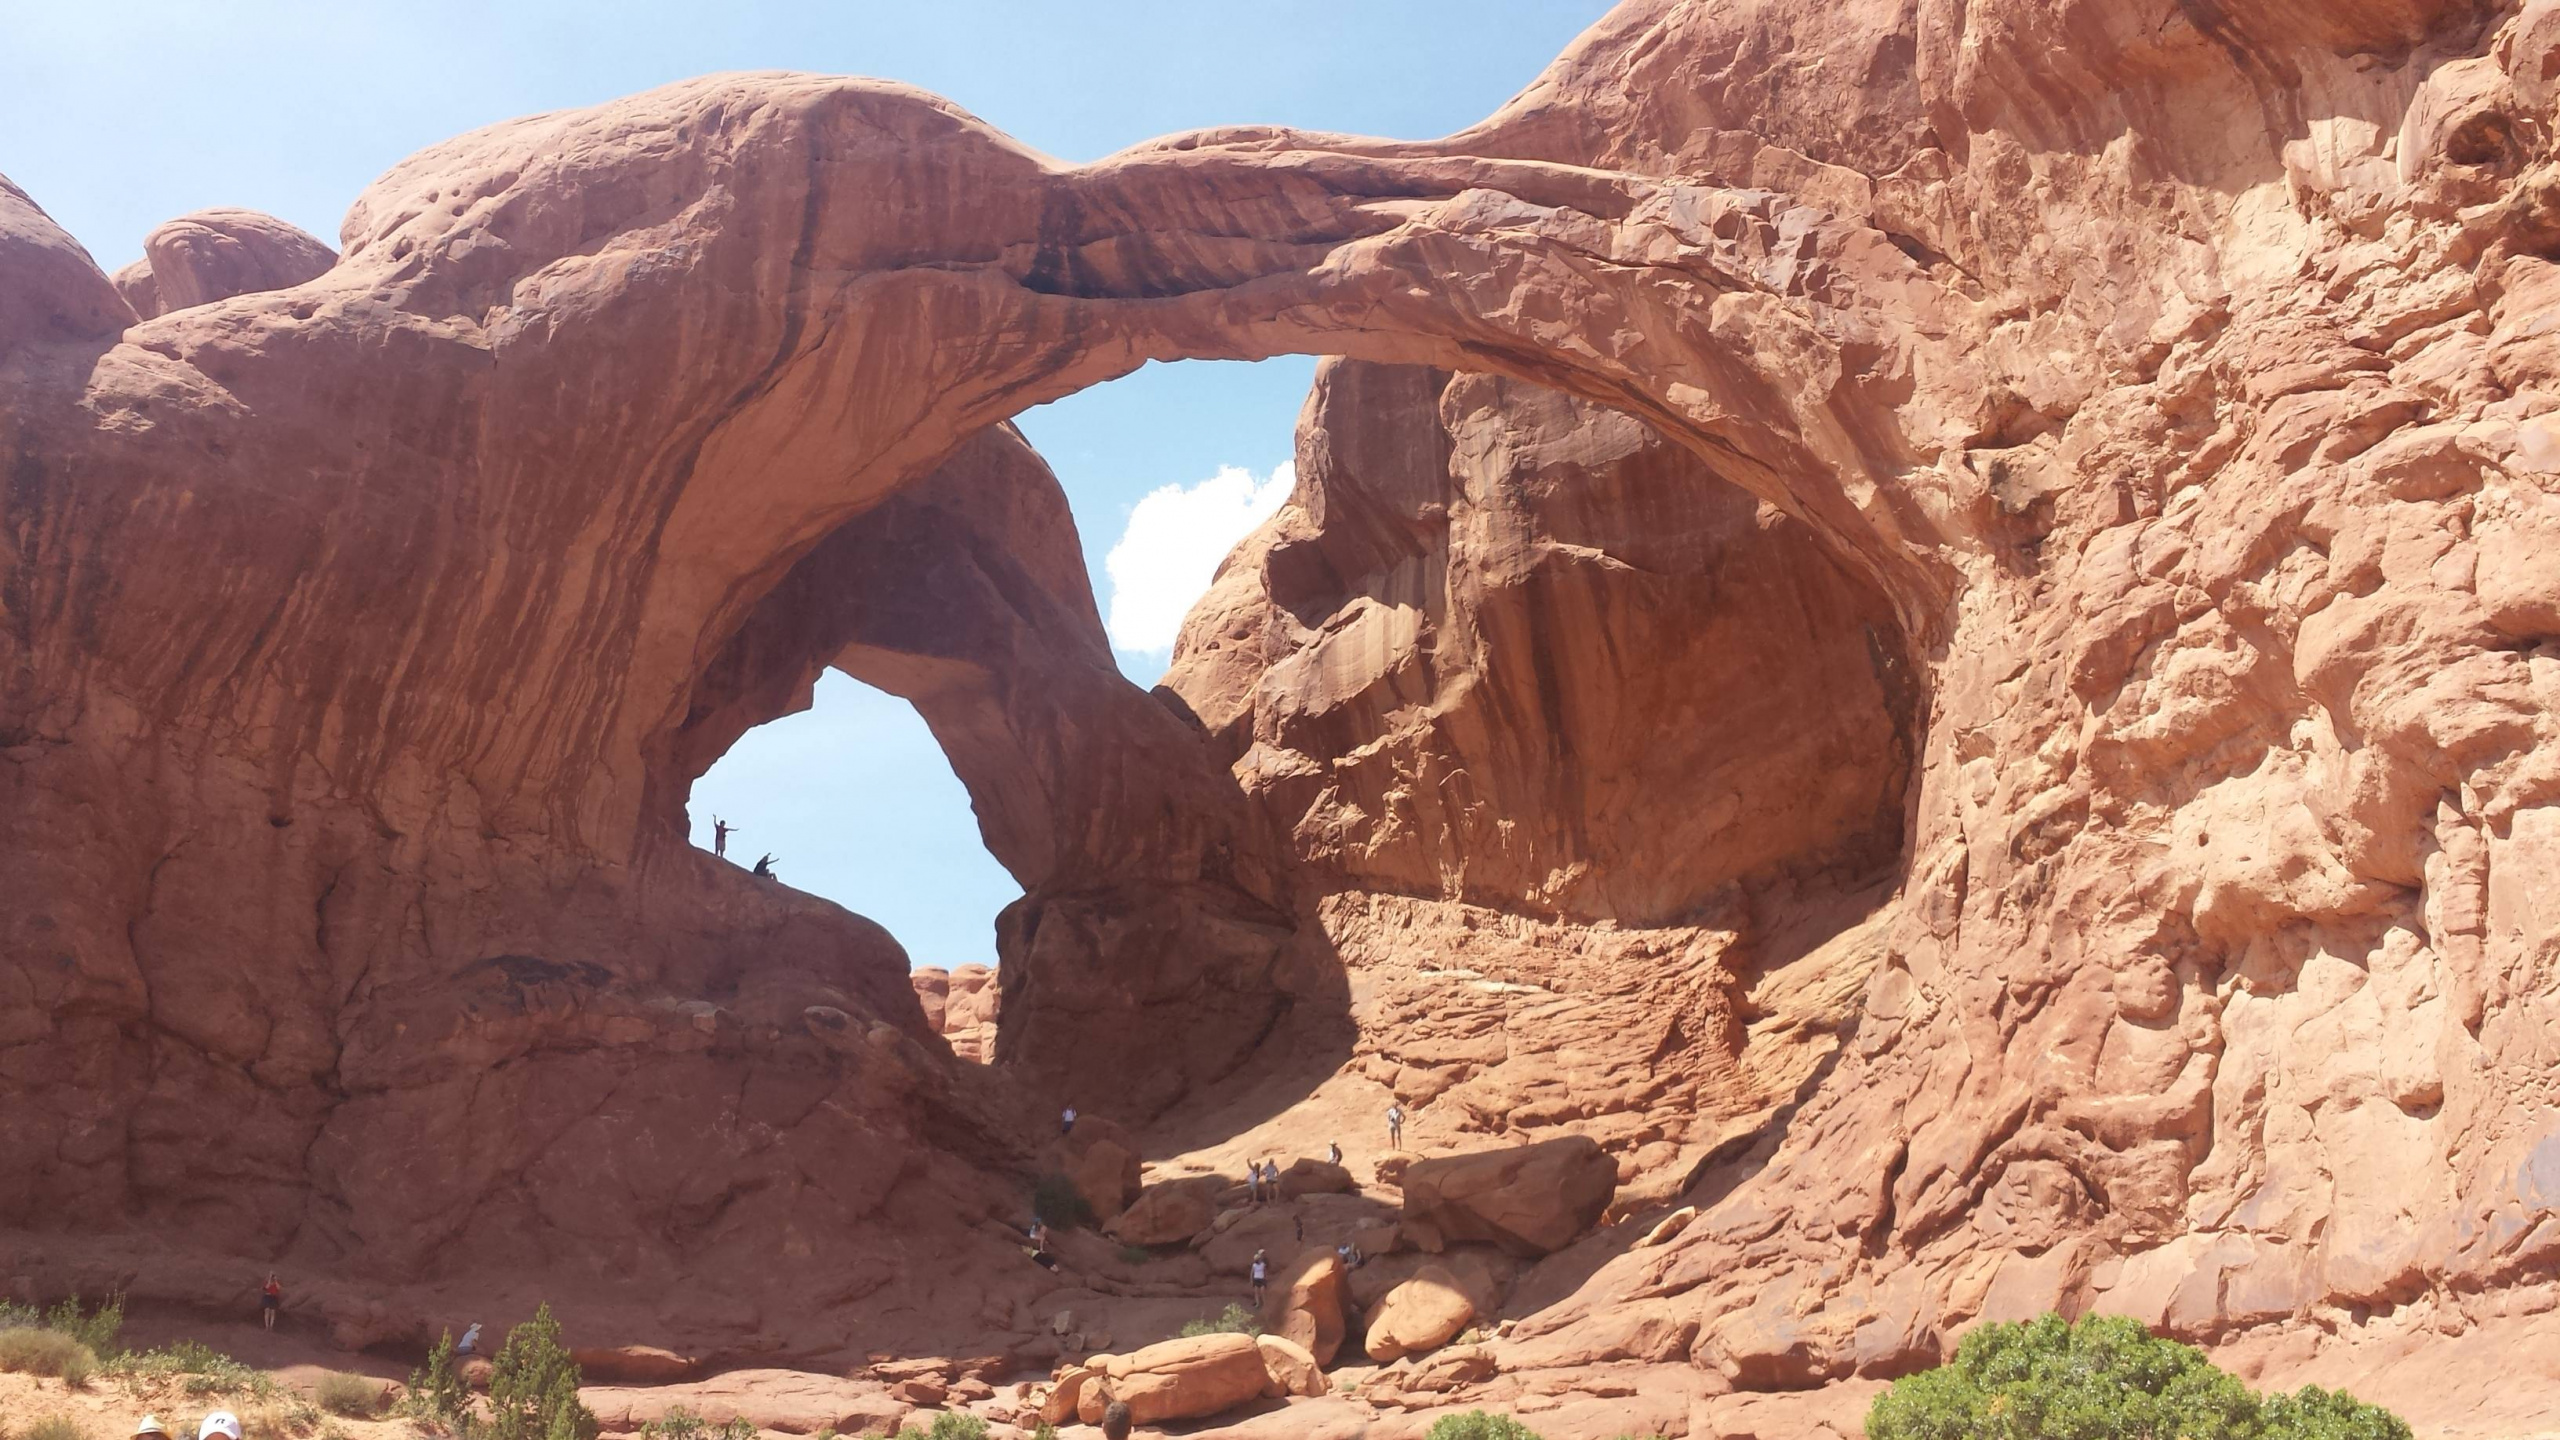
[
  {"x": 1067, "y": 1121},
  {"x": 270, "y": 1299},
  {"x": 764, "y": 869},
  {"x": 1261, "y": 1276}
]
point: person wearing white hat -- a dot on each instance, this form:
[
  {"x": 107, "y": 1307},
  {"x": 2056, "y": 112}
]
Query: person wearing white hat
[
  {"x": 220, "y": 1422},
  {"x": 150, "y": 1425}
]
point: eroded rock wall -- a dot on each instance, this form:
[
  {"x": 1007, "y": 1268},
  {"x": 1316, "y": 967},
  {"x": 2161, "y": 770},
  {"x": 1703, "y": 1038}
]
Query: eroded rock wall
[{"x": 2173, "y": 376}]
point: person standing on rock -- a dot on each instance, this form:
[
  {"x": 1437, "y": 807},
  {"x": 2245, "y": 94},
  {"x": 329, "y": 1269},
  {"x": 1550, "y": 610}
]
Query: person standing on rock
[
  {"x": 1040, "y": 1245},
  {"x": 1261, "y": 1276},
  {"x": 1395, "y": 1125},
  {"x": 1333, "y": 1152},
  {"x": 1067, "y": 1122},
  {"x": 270, "y": 1299},
  {"x": 720, "y": 830}
]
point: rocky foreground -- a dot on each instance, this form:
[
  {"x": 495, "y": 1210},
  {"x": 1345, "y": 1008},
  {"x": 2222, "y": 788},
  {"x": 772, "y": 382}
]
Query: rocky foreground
[{"x": 1935, "y": 626}]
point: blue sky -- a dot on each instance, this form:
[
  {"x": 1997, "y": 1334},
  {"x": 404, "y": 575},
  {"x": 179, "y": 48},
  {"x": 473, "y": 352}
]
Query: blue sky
[{"x": 118, "y": 114}]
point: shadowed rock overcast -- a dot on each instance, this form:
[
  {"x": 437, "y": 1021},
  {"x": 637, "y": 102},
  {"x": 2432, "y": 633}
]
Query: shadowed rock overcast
[{"x": 1911, "y": 675}]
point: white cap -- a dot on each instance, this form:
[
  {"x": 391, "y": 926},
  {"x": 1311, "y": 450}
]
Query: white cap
[
  {"x": 150, "y": 1425},
  {"x": 220, "y": 1422}
]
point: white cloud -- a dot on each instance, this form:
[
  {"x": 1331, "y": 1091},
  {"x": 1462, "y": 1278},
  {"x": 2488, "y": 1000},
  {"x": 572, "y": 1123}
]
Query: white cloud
[{"x": 1170, "y": 550}]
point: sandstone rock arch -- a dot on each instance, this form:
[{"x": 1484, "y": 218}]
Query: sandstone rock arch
[{"x": 2185, "y": 405}]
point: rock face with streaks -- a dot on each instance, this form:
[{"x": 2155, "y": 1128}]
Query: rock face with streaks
[{"x": 1935, "y": 623}]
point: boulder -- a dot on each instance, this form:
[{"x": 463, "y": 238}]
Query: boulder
[
  {"x": 1420, "y": 1315},
  {"x": 1060, "y": 1406},
  {"x": 1170, "y": 1212},
  {"x": 1305, "y": 1305},
  {"x": 1308, "y": 1176},
  {"x": 633, "y": 1365},
  {"x": 1531, "y": 1200},
  {"x": 1101, "y": 1160},
  {"x": 1292, "y": 1370},
  {"x": 215, "y": 254},
  {"x": 1177, "y": 1379}
]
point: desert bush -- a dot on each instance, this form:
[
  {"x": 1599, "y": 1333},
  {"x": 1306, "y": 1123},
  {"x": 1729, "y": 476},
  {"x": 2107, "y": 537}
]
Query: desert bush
[
  {"x": 2105, "y": 1378},
  {"x": 353, "y": 1396},
  {"x": 1234, "y": 1320},
  {"x": 200, "y": 1369},
  {"x": 2312, "y": 1413},
  {"x": 437, "y": 1398},
  {"x": 52, "y": 1427},
  {"x": 948, "y": 1426},
  {"x": 32, "y": 1351},
  {"x": 533, "y": 1386},
  {"x": 97, "y": 1328},
  {"x": 682, "y": 1424},
  {"x": 1479, "y": 1425},
  {"x": 1056, "y": 1199}
]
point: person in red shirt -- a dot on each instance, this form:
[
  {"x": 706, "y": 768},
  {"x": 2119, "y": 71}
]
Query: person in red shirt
[{"x": 270, "y": 1298}]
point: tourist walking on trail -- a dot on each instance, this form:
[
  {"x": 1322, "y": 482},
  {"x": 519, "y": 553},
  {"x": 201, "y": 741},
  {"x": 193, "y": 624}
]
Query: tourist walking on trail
[
  {"x": 1395, "y": 1126},
  {"x": 1261, "y": 1276},
  {"x": 720, "y": 832},
  {"x": 270, "y": 1297}
]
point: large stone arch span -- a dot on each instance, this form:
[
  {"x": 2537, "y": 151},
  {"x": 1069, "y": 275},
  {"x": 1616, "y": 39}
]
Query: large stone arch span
[
  {"x": 437, "y": 577},
  {"x": 731, "y": 314}
]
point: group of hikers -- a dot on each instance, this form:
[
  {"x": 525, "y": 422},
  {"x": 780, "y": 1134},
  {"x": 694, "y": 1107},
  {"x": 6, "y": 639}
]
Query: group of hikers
[
  {"x": 1262, "y": 1183},
  {"x": 721, "y": 830}
]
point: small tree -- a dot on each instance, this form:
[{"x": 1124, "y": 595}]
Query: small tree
[
  {"x": 437, "y": 1394},
  {"x": 533, "y": 1386}
]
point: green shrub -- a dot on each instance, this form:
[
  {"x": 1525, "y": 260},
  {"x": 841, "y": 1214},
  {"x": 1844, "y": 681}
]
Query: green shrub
[
  {"x": 1136, "y": 1254},
  {"x": 96, "y": 1329},
  {"x": 948, "y": 1426},
  {"x": 437, "y": 1397},
  {"x": 1477, "y": 1425},
  {"x": 682, "y": 1424},
  {"x": 533, "y": 1386},
  {"x": 46, "y": 1352},
  {"x": 53, "y": 1427},
  {"x": 2106, "y": 1378},
  {"x": 1234, "y": 1320},
  {"x": 202, "y": 1370},
  {"x": 1056, "y": 1199},
  {"x": 2312, "y": 1413},
  {"x": 350, "y": 1395}
]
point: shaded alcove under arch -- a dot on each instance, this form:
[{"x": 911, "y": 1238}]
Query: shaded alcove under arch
[{"x": 1464, "y": 664}]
